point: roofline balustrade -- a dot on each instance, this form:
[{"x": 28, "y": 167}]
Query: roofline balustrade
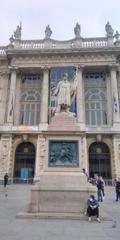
[{"x": 75, "y": 43}]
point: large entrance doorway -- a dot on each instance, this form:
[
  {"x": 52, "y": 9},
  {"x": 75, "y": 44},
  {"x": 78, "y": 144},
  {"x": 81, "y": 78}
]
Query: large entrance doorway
[
  {"x": 24, "y": 161},
  {"x": 99, "y": 160}
]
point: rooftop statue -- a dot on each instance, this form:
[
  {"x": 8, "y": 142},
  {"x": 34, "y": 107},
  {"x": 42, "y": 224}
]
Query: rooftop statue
[
  {"x": 11, "y": 39},
  {"x": 77, "y": 30},
  {"x": 117, "y": 35},
  {"x": 109, "y": 30},
  {"x": 48, "y": 32},
  {"x": 17, "y": 33}
]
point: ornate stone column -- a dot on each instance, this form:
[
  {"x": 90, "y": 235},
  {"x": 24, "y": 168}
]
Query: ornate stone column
[
  {"x": 114, "y": 91},
  {"x": 44, "y": 99},
  {"x": 80, "y": 98},
  {"x": 11, "y": 101}
]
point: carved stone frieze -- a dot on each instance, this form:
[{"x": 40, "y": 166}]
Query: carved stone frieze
[
  {"x": 40, "y": 155},
  {"x": 87, "y": 59},
  {"x": 116, "y": 155},
  {"x": 5, "y": 147}
]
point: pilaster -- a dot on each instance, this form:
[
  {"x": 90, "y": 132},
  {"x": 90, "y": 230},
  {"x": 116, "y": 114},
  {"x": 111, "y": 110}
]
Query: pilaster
[
  {"x": 114, "y": 94},
  {"x": 109, "y": 99},
  {"x": 116, "y": 156},
  {"x": 80, "y": 98},
  {"x": 11, "y": 101},
  {"x": 40, "y": 154},
  {"x": 5, "y": 151},
  {"x": 44, "y": 100}
]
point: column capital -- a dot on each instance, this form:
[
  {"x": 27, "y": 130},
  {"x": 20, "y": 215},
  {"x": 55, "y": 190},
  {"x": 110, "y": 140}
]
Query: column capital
[
  {"x": 45, "y": 68},
  {"x": 13, "y": 69},
  {"x": 113, "y": 67}
]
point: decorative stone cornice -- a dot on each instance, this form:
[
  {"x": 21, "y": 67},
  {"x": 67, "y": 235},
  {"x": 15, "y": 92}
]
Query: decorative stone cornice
[{"x": 48, "y": 61}]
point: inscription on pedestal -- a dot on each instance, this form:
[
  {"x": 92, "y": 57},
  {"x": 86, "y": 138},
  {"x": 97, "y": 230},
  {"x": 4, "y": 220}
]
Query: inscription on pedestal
[{"x": 63, "y": 153}]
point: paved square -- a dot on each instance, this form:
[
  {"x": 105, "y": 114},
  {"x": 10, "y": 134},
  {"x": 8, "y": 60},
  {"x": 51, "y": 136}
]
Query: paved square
[{"x": 15, "y": 199}]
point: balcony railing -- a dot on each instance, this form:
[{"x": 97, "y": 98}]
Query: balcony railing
[
  {"x": 94, "y": 42},
  {"x": 48, "y": 44},
  {"x": 73, "y": 43},
  {"x": 35, "y": 44}
]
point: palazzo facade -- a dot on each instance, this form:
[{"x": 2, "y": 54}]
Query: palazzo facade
[{"x": 29, "y": 71}]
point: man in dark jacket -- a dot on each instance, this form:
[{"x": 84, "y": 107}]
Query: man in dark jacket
[
  {"x": 117, "y": 188},
  {"x": 5, "y": 179},
  {"x": 93, "y": 208},
  {"x": 99, "y": 184}
]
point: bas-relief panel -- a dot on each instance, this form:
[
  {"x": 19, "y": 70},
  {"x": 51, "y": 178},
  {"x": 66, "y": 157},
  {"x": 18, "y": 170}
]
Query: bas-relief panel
[
  {"x": 63, "y": 153},
  {"x": 115, "y": 157}
]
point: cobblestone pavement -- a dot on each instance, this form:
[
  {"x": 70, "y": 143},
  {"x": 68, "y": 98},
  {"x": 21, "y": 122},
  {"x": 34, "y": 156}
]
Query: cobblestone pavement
[{"x": 15, "y": 199}]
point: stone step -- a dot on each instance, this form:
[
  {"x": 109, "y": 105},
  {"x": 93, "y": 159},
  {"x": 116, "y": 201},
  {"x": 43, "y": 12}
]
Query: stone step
[{"x": 62, "y": 215}]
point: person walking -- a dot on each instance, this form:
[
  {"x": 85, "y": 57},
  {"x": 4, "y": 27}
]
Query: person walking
[
  {"x": 117, "y": 188},
  {"x": 5, "y": 179}
]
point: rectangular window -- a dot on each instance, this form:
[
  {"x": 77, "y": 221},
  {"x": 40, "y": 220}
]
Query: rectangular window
[
  {"x": 32, "y": 119},
  {"x": 98, "y": 118},
  {"x": 31, "y": 79},
  {"x": 95, "y": 98},
  {"x": 87, "y": 117},
  {"x": 27, "y": 113},
  {"x": 104, "y": 118},
  {"x": 93, "y": 121},
  {"x": 21, "y": 118}
]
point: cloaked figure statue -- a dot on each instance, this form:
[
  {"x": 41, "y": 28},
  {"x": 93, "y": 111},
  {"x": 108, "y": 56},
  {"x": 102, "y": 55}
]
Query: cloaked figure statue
[{"x": 109, "y": 30}]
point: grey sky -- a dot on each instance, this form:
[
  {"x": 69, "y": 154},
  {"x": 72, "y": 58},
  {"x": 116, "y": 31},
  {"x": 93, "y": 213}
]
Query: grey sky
[{"x": 61, "y": 15}]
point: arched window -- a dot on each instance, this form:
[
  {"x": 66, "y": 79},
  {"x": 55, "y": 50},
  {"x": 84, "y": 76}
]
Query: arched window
[
  {"x": 99, "y": 160},
  {"x": 24, "y": 161},
  {"x": 30, "y": 108},
  {"x": 96, "y": 107}
]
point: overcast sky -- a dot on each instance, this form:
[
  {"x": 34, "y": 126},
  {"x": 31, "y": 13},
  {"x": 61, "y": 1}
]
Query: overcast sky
[{"x": 61, "y": 15}]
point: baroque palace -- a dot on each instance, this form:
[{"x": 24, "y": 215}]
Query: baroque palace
[{"x": 29, "y": 72}]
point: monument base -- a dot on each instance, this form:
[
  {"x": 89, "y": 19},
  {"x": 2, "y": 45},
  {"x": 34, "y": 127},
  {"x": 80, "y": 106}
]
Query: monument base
[
  {"x": 60, "y": 193},
  {"x": 61, "y": 196}
]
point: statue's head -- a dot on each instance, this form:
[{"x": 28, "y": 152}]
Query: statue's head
[{"x": 65, "y": 76}]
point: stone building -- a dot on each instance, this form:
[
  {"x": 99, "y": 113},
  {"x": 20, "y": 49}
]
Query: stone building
[{"x": 29, "y": 71}]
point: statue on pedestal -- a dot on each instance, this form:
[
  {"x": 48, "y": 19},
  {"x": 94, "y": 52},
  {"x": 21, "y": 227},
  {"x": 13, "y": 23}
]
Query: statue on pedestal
[
  {"x": 117, "y": 35},
  {"x": 11, "y": 39},
  {"x": 17, "y": 33},
  {"x": 109, "y": 30},
  {"x": 65, "y": 90},
  {"x": 77, "y": 30},
  {"x": 48, "y": 32}
]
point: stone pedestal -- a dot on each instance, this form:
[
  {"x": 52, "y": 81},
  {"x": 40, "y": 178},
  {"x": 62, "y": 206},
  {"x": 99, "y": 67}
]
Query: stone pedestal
[
  {"x": 60, "y": 193},
  {"x": 63, "y": 189}
]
